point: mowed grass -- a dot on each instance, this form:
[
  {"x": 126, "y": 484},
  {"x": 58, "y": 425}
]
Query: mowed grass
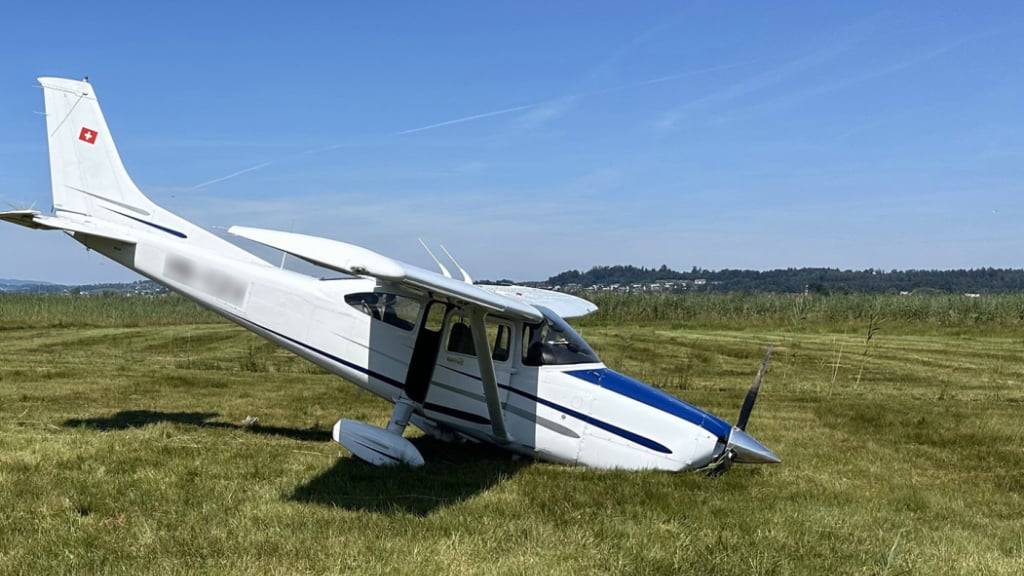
[{"x": 122, "y": 451}]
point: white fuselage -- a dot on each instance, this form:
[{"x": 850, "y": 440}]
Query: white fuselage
[{"x": 575, "y": 414}]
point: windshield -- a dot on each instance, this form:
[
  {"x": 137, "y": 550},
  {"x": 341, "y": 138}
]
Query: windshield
[{"x": 553, "y": 342}]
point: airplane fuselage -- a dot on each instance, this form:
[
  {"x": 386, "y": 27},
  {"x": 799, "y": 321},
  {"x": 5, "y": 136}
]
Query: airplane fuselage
[{"x": 580, "y": 414}]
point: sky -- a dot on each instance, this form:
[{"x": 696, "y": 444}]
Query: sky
[{"x": 534, "y": 137}]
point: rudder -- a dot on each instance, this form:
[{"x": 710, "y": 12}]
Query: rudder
[{"x": 84, "y": 162}]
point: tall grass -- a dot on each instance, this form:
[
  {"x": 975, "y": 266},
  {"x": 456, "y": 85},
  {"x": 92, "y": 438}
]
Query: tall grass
[
  {"x": 811, "y": 312},
  {"x": 48, "y": 310},
  {"x": 842, "y": 312}
]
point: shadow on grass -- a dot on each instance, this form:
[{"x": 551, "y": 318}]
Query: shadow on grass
[
  {"x": 452, "y": 473},
  {"x": 129, "y": 419}
]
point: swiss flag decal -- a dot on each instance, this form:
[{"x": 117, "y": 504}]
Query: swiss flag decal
[{"x": 88, "y": 136}]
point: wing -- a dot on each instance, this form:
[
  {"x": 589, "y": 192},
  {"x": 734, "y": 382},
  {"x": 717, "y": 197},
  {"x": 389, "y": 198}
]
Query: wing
[
  {"x": 565, "y": 305},
  {"x": 358, "y": 261},
  {"x": 86, "y": 225},
  {"x": 351, "y": 259}
]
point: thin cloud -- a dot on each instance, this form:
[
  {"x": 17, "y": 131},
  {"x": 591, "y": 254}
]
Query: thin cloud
[
  {"x": 854, "y": 35},
  {"x": 855, "y": 79},
  {"x": 546, "y": 110}
]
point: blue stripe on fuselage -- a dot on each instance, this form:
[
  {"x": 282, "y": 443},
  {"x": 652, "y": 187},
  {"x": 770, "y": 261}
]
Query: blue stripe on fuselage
[
  {"x": 631, "y": 436},
  {"x": 645, "y": 394},
  {"x": 170, "y": 231}
]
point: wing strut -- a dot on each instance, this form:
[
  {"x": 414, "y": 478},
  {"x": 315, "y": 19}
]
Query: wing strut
[{"x": 490, "y": 381}]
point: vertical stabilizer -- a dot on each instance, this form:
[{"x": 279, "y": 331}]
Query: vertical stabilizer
[
  {"x": 89, "y": 178},
  {"x": 84, "y": 163}
]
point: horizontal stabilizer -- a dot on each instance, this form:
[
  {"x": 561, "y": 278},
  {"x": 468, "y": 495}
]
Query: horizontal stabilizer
[
  {"x": 26, "y": 218},
  {"x": 89, "y": 226}
]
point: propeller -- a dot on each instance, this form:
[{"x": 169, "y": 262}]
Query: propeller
[
  {"x": 742, "y": 447},
  {"x": 748, "y": 402}
]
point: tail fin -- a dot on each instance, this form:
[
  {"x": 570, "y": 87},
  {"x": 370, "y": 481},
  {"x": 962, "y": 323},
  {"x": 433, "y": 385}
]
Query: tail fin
[
  {"x": 89, "y": 179},
  {"x": 84, "y": 163}
]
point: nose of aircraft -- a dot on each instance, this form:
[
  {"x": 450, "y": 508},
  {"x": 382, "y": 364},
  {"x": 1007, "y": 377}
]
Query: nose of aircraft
[{"x": 746, "y": 450}]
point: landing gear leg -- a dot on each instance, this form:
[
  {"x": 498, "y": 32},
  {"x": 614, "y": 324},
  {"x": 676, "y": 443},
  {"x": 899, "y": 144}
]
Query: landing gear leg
[{"x": 400, "y": 416}]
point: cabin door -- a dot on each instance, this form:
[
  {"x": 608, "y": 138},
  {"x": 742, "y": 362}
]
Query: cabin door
[
  {"x": 423, "y": 362},
  {"x": 457, "y": 388}
]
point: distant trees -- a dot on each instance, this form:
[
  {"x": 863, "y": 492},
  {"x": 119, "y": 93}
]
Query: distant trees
[{"x": 816, "y": 280}]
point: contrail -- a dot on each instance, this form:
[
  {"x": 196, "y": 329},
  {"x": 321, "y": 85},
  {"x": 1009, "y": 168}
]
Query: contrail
[
  {"x": 232, "y": 175},
  {"x": 470, "y": 118},
  {"x": 480, "y": 116},
  {"x": 640, "y": 84}
]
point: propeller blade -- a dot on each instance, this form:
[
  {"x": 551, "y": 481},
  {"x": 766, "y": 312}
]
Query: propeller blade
[{"x": 748, "y": 402}]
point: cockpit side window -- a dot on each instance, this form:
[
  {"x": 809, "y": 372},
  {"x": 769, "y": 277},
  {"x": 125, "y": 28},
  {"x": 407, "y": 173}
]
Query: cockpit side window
[
  {"x": 554, "y": 343},
  {"x": 460, "y": 338},
  {"x": 398, "y": 311}
]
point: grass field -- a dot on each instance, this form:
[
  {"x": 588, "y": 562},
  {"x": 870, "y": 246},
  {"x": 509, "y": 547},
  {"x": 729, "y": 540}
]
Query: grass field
[{"x": 121, "y": 450}]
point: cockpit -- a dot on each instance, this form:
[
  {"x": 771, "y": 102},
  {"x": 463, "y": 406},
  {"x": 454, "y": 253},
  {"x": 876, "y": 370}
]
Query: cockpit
[{"x": 553, "y": 342}]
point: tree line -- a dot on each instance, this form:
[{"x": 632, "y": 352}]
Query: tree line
[{"x": 796, "y": 280}]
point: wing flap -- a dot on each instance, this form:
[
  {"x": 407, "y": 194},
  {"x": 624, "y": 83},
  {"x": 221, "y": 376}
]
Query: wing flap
[{"x": 356, "y": 260}]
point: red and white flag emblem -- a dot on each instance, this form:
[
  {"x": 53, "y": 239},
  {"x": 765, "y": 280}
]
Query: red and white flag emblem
[{"x": 87, "y": 135}]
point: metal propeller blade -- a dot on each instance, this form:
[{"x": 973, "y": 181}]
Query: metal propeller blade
[
  {"x": 748, "y": 402},
  {"x": 742, "y": 447}
]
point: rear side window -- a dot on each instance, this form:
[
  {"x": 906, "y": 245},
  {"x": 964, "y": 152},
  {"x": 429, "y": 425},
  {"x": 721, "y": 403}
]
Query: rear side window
[{"x": 398, "y": 311}]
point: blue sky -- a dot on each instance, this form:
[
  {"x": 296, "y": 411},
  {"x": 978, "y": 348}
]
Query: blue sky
[{"x": 535, "y": 136}]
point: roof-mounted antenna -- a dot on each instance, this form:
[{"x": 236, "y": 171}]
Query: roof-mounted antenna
[
  {"x": 444, "y": 270},
  {"x": 465, "y": 275}
]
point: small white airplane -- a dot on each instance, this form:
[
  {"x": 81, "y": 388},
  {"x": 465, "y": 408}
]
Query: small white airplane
[{"x": 408, "y": 335}]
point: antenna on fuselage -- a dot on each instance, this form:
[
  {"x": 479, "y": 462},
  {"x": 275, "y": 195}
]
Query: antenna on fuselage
[
  {"x": 444, "y": 270},
  {"x": 465, "y": 275}
]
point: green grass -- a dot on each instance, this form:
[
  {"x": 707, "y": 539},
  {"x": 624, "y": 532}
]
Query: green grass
[{"x": 121, "y": 451}]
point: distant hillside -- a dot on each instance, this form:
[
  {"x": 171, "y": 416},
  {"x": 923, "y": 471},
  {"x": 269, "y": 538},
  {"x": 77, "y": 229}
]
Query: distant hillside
[
  {"x": 33, "y": 287},
  {"x": 9, "y": 285},
  {"x": 790, "y": 280},
  {"x": 9, "y": 282}
]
